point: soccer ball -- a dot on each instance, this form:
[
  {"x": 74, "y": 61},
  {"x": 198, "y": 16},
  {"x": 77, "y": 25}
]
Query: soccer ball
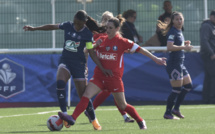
[{"x": 54, "y": 123}]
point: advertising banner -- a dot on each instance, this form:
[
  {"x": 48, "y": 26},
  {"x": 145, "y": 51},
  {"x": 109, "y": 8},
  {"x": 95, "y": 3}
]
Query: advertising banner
[{"x": 32, "y": 78}]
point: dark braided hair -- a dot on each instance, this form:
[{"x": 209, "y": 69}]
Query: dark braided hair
[{"x": 93, "y": 25}]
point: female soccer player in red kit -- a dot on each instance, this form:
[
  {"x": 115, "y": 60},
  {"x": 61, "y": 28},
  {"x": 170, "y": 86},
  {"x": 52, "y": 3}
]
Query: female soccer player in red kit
[
  {"x": 104, "y": 94},
  {"x": 110, "y": 51}
]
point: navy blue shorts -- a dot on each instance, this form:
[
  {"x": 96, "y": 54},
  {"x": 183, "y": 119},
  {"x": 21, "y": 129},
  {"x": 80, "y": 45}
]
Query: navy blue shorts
[
  {"x": 77, "y": 69},
  {"x": 176, "y": 71}
]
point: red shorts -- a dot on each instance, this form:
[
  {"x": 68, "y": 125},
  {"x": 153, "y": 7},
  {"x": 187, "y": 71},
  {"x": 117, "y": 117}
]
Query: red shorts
[{"x": 110, "y": 84}]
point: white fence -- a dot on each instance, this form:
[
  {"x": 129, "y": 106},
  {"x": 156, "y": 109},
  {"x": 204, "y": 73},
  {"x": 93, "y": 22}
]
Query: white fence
[{"x": 59, "y": 50}]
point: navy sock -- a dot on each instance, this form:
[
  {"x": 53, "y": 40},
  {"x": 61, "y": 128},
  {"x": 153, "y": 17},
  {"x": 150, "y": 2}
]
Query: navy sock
[
  {"x": 180, "y": 99},
  {"x": 90, "y": 110},
  {"x": 170, "y": 102},
  {"x": 61, "y": 95}
]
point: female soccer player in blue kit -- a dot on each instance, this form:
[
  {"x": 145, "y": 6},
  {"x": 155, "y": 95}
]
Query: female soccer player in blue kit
[
  {"x": 72, "y": 61},
  {"x": 179, "y": 77}
]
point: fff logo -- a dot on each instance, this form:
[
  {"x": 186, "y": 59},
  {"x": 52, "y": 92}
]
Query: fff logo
[{"x": 12, "y": 78}]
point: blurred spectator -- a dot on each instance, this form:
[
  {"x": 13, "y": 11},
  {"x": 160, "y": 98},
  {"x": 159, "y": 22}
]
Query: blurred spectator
[
  {"x": 128, "y": 28},
  {"x": 165, "y": 17},
  {"x": 158, "y": 39},
  {"x": 207, "y": 39}
]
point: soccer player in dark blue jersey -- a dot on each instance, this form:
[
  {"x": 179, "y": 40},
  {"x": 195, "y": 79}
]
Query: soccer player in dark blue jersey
[
  {"x": 72, "y": 61},
  {"x": 180, "y": 79}
]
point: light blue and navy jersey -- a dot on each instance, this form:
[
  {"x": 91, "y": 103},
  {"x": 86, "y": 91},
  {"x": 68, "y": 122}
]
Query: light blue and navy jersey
[
  {"x": 74, "y": 42},
  {"x": 176, "y": 36}
]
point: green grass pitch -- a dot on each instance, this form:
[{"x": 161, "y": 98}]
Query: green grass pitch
[{"x": 199, "y": 119}]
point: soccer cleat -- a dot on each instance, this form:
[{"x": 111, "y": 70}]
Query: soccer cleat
[
  {"x": 129, "y": 120},
  {"x": 88, "y": 116},
  {"x": 96, "y": 124},
  {"x": 142, "y": 125},
  {"x": 177, "y": 113},
  {"x": 170, "y": 116},
  {"x": 66, "y": 124},
  {"x": 67, "y": 118}
]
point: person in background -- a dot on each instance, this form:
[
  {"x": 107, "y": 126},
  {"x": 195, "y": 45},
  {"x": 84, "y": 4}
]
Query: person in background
[
  {"x": 180, "y": 79},
  {"x": 167, "y": 7},
  {"x": 158, "y": 39},
  {"x": 128, "y": 28},
  {"x": 110, "y": 51},
  {"x": 165, "y": 18},
  {"x": 72, "y": 61},
  {"x": 207, "y": 51}
]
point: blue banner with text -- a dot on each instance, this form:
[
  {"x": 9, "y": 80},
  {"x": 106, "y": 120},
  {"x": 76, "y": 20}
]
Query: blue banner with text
[{"x": 32, "y": 78}]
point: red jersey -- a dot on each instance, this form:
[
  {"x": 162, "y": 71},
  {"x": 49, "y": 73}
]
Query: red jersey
[{"x": 110, "y": 52}]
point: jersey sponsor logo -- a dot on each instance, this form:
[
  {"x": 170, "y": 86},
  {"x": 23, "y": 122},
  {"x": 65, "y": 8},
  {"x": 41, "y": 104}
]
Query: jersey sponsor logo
[
  {"x": 171, "y": 37},
  {"x": 12, "y": 78},
  {"x": 72, "y": 46},
  {"x": 107, "y": 48},
  {"x": 115, "y": 48},
  {"x": 108, "y": 56}
]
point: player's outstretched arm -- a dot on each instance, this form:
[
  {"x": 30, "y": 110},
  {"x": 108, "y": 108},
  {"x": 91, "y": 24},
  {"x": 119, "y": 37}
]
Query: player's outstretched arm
[
  {"x": 98, "y": 63},
  {"x": 159, "y": 61},
  {"x": 43, "y": 27}
]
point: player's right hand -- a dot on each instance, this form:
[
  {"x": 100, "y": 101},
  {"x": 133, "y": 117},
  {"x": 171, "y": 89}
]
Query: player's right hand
[
  {"x": 98, "y": 42},
  {"x": 107, "y": 72},
  {"x": 188, "y": 47},
  {"x": 161, "y": 61},
  {"x": 28, "y": 28}
]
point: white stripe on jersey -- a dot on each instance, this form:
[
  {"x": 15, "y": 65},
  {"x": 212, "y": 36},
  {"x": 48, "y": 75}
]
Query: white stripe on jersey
[
  {"x": 134, "y": 48},
  {"x": 120, "y": 63}
]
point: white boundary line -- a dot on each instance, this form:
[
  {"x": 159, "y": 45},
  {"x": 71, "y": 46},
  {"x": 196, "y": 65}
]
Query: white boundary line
[{"x": 108, "y": 109}]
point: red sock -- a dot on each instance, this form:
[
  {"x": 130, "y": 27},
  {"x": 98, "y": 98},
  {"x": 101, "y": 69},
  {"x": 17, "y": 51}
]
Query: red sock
[
  {"x": 133, "y": 113},
  {"x": 82, "y": 105},
  {"x": 100, "y": 98},
  {"x": 122, "y": 112}
]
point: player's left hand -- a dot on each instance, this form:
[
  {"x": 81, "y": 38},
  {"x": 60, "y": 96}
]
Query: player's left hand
[
  {"x": 99, "y": 41},
  {"x": 187, "y": 42},
  {"x": 161, "y": 61},
  {"x": 28, "y": 28}
]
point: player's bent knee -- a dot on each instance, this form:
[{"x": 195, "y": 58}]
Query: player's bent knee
[
  {"x": 61, "y": 84},
  {"x": 88, "y": 94},
  {"x": 188, "y": 87},
  {"x": 122, "y": 106}
]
